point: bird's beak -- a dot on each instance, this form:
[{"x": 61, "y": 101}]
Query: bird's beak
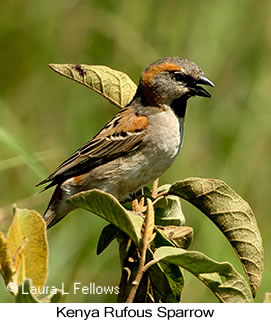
[{"x": 200, "y": 91}]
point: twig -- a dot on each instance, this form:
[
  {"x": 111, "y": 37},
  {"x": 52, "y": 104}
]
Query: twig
[
  {"x": 125, "y": 275},
  {"x": 147, "y": 236},
  {"x": 149, "y": 264}
]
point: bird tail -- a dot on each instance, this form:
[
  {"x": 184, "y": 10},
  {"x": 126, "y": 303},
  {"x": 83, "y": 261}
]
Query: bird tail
[
  {"x": 51, "y": 218},
  {"x": 57, "y": 208}
]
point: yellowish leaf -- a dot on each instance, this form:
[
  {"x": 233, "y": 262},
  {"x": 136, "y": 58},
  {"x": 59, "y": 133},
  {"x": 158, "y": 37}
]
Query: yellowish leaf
[
  {"x": 114, "y": 85},
  {"x": 5, "y": 260},
  {"x": 31, "y": 258}
]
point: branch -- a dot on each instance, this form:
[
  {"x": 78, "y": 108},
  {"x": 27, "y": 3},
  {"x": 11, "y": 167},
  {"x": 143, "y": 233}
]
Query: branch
[{"x": 147, "y": 237}]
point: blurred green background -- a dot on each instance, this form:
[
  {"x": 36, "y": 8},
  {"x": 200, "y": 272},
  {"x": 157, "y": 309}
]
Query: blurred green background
[{"x": 45, "y": 117}]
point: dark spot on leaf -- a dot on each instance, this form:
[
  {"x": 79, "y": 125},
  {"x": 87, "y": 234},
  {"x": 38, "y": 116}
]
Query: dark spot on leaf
[{"x": 80, "y": 70}]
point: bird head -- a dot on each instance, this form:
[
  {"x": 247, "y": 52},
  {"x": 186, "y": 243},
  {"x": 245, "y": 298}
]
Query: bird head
[{"x": 172, "y": 78}]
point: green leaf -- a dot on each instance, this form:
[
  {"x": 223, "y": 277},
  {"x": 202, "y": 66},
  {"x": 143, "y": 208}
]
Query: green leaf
[
  {"x": 114, "y": 85},
  {"x": 168, "y": 211},
  {"x": 161, "y": 238},
  {"x": 166, "y": 281},
  {"x": 107, "y": 235},
  {"x": 27, "y": 242},
  {"x": 108, "y": 207},
  {"x": 24, "y": 294},
  {"x": 53, "y": 297},
  {"x": 232, "y": 215},
  {"x": 175, "y": 278},
  {"x": 225, "y": 282}
]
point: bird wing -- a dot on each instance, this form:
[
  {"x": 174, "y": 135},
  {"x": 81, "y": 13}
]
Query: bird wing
[{"x": 119, "y": 137}]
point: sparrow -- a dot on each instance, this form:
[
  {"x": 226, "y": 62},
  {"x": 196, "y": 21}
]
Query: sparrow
[{"x": 138, "y": 144}]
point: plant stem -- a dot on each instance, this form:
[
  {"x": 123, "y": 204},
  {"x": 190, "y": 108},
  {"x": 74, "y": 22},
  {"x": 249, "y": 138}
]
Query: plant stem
[
  {"x": 140, "y": 271},
  {"x": 147, "y": 236}
]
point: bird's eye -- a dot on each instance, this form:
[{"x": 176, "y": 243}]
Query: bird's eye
[
  {"x": 178, "y": 76},
  {"x": 181, "y": 77}
]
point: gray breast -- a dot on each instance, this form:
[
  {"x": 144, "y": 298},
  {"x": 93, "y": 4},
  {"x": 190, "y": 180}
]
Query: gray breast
[{"x": 165, "y": 134}]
